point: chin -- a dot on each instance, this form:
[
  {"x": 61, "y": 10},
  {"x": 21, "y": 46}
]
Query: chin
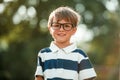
[{"x": 61, "y": 41}]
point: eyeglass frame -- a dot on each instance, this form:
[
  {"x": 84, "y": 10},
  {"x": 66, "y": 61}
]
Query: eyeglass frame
[{"x": 62, "y": 25}]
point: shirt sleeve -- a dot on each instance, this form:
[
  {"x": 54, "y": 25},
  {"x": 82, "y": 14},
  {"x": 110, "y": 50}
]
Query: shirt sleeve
[
  {"x": 39, "y": 70},
  {"x": 86, "y": 69}
]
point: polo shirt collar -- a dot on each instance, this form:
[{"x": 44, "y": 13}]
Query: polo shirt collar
[{"x": 67, "y": 49}]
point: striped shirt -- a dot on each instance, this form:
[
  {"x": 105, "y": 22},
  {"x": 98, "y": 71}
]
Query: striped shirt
[{"x": 68, "y": 63}]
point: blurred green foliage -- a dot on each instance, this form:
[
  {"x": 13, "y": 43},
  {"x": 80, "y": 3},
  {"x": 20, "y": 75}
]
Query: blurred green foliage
[{"x": 23, "y": 32}]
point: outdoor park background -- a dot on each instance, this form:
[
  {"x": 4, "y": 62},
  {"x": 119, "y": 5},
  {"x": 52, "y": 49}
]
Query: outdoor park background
[{"x": 23, "y": 32}]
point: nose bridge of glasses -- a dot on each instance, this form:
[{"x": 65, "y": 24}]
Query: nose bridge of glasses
[{"x": 61, "y": 26}]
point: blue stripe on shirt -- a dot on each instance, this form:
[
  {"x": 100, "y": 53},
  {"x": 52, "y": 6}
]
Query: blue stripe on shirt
[
  {"x": 80, "y": 51},
  {"x": 60, "y": 63},
  {"x": 40, "y": 62},
  {"x": 47, "y": 50},
  {"x": 65, "y": 64},
  {"x": 84, "y": 64},
  {"x": 59, "y": 79}
]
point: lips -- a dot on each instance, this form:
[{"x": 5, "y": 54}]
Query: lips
[{"x": 61, "y": 34}]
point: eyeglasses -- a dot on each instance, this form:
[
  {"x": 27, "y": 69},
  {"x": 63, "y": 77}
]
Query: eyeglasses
[{"x": 66, "y": 26}]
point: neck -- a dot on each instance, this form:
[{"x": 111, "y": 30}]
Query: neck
[{"x": 62, "y": 45}]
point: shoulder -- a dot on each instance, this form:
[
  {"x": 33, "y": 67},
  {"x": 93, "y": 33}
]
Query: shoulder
[
  {"x": 80, "y": 52},
  {"x": 45, "y": 50}
]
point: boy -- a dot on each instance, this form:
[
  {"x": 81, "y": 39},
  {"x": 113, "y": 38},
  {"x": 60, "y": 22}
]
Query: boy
[{"x": 63, "y": 60}]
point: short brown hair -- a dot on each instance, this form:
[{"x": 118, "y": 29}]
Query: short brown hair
[{"x": 66, "y": 13}]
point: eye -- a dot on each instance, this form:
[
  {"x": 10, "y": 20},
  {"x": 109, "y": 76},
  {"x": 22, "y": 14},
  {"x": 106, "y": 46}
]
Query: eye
[
  {"x": 67, "y": 25},
  {"x": 55, "y": 25}
]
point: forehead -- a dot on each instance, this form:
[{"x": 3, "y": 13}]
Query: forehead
[{"x": 57, "y": 19}]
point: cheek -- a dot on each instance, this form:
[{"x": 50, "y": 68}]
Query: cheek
[
  {"x": 52, "y": 32},
  {"x": 71, "y": 32}
]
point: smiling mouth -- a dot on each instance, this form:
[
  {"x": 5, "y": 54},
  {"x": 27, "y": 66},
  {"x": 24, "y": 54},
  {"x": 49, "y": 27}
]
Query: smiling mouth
[{"x": 62, "y": 35}]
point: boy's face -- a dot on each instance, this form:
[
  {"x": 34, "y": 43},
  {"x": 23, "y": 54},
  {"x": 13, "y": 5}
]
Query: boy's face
[{"x": 62, "y": 31}]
